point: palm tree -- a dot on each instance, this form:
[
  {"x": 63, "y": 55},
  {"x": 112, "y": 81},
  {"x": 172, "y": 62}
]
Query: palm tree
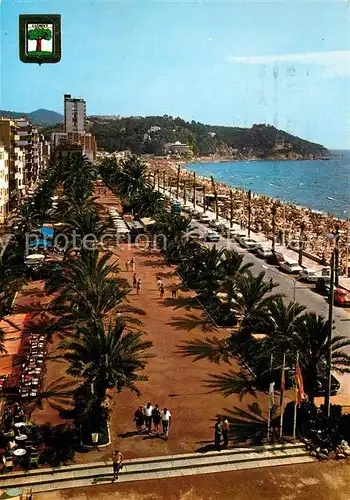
[
  {"x": 210, "y": 275},
  {"x": 177, "y": 232},
  {"x": 106, "y": 358},
  {"x": 147, "y": 203},
  {"x": 79, "y": 175},
  {"x": 310, "y": 339},
  {"x": 132, "y": 177},
  {"x": 282, "y": 326},
  {"x": 88, "y": 289},
  {"x": 232, "y": 264},
  {"x": 252, "y": 301}
]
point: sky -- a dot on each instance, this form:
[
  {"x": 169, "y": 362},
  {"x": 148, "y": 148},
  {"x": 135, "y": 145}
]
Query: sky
[{"x": 285, "y": 63}]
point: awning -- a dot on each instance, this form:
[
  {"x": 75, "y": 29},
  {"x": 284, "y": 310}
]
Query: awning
[{"x": 147, "y": 221}]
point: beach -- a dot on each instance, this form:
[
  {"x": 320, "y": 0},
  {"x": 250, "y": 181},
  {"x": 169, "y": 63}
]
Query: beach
[{"x": 289, "y": 216}]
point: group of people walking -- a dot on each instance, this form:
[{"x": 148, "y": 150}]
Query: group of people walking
[
  {"x": 149, "y": 415},
  {"x": 161, "y": 289}
]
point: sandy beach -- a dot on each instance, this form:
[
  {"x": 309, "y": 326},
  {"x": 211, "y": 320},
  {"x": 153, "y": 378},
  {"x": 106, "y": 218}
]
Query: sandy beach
[{"x": 316, "y": 224}]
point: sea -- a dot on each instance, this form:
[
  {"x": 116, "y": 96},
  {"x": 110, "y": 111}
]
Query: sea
[{"x": 307, "y": 183}]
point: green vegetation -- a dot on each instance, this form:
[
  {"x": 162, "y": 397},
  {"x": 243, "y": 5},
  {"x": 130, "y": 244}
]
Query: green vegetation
[
  {"x": 90, "y": 309},
  {"x": 136, "y": 134},
  {"x": 39, "y": 34},
  {"x": 233, "y": 296},
  {"x": 41, "y": 53}
]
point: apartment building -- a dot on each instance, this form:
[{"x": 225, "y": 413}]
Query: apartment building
[
  {"x": 86, "y": 140},
  {"x": 74, "y": 114},
  {"x": 16, "y": 158},
  {"x": 4, "y": 183},
  {"x": 36, "y": 149}
]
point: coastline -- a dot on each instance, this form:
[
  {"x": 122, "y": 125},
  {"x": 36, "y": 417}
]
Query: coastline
[{"x": 289, "y": 217}]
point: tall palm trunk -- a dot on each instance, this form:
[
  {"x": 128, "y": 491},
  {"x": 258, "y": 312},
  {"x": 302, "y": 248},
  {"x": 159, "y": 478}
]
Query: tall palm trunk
[{"x": 216, "y": 198}]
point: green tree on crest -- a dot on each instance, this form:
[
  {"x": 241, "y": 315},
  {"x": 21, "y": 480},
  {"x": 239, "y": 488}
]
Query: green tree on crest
[{"x": 39, "y": 34}]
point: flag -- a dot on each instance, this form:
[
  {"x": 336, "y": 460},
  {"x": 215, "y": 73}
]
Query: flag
[
  {"x": 283, "y": 382},
  {"x": 271, "y": 394},
  {"x": 282, "y": 389},
  {"x": 300, "y": 395}
]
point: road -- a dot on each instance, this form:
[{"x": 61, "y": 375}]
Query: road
[{"x": 303, "y": 294}]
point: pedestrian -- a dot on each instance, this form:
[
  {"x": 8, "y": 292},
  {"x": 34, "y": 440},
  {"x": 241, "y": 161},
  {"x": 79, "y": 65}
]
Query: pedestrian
[
  {"x": 138, "y": 286},
  {"x": 156, "y": 417},
  {"x": 147, "y": 411},
  {"x": 159, "y": 283},
  {"x": 161, "y": 291},
  {"x": 134, "y": 280},
  {"x": 132, "y": 263},
  {"x": 225, "y": 428},
  {"x": 174, "y": 292},
  {"x": 117, "y": 459},
  {"x": 166, "y": 422},
  {"x": 139, "y": 419},
  {"x": 127, "y": 265},
  {"x": 218, "y": 433}
]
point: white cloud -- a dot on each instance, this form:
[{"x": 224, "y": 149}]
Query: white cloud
[
  {"x": 332, "y": 63},
  {"x": 323, "y": 58}
]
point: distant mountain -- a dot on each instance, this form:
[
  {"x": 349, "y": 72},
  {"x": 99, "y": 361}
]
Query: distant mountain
[{"x": 38, "y": 117}]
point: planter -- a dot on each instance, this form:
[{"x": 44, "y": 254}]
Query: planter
[{"x": 104, "y": 438}]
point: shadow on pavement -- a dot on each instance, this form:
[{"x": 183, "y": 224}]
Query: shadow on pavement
[
  {"x": 187, "y": 303},
  {"x": 190, "y": 321},
  {"x": 206, "y": 448},
  {"x": 155, "y": 263},
  {"x": 128, "y": 434}
]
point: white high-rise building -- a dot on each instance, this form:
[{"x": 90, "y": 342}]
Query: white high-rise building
[{"x": 74, "y": 114}]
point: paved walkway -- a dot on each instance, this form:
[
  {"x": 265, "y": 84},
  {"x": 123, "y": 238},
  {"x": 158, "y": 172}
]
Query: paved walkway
[{"x": 77, "y": 476}]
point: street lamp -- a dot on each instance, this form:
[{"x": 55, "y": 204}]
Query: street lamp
[
  {"x": 327, "y": 399},
  {"x": 347, "y": 234}
]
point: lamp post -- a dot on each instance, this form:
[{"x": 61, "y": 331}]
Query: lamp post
[
  {"x": 249, "y": 210},
  {"x": 194, "y": 191},
  {"x": 178, "y": 182},
  {"x": 273, "y": 211},
  {"x": 343, "y": 202},
  {"x": 327, "y": 399},
  {"x": 301, "y": 243},
  {"x": 231, "y": 208}
]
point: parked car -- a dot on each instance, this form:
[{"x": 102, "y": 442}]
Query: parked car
[
  {"x": 224, "y": 229},
  {"x": 234, "y": 233},
  {"x": 248, "y": 243},
  {"x": 309, "y": 275},
  {"x": 240, "y": 236},
  {"x": 264, "y": 252},
  {"x": 215, "y": 224},
  {"x": 211, "y": 236},
  {"x": 290, "y": 267},
  {"x": 323, "y": 285},
  {"x": 341, "y": 297},
  {"x": 205, "y": 218},
  {"x": 275, "y": 258}
]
